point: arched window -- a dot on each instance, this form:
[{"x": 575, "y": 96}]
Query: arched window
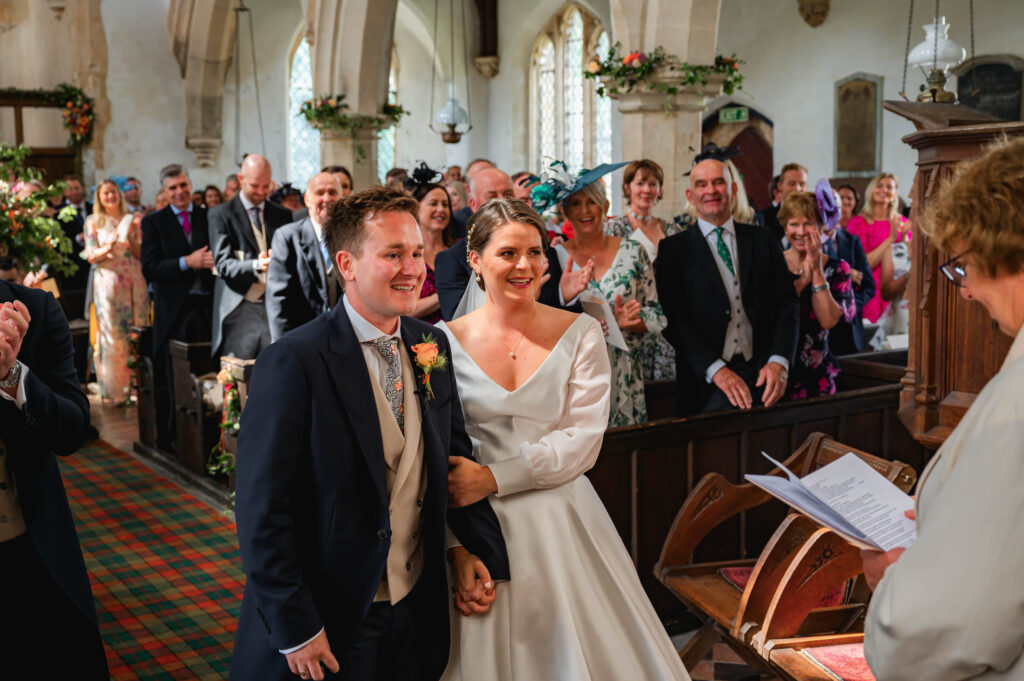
[
  {"x": 303, "y": 140},
  {"x": 567, "y": 121},
  {"x": 386, "y": 138}
]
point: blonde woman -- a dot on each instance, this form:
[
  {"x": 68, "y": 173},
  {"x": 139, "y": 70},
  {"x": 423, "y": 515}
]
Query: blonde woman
[{"x": 113, "y": 243}]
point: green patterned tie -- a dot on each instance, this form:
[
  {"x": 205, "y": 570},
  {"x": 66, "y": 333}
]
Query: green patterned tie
[{"x": 723, "y": 251}]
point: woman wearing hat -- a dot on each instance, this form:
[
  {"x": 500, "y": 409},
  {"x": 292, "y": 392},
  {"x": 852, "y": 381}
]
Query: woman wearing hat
[{"x": 622, "y": 276}]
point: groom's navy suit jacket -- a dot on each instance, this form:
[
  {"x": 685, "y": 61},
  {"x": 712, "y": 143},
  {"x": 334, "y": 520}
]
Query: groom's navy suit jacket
[{"x": 312, "y": 502}]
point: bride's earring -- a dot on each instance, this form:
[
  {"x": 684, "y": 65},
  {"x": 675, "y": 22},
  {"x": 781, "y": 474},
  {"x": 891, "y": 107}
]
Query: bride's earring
[{"x": 479, "y": 279}]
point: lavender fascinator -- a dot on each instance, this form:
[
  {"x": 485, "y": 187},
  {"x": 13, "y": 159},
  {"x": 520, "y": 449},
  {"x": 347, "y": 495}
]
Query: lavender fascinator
[{"x": 827, "y": 207}]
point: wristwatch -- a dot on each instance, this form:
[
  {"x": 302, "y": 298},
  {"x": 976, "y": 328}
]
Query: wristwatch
[
  {"x": 13, "y": 377},
  {"x": 820, "y": 287}
]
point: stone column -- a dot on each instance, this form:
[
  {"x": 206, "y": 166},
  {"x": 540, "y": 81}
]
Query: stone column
[
  {"x": 670, "y": 136},
  {"x": 357, "y": 152}
]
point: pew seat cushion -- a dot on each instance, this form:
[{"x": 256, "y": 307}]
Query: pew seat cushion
[{"x": 844, "y": 662}]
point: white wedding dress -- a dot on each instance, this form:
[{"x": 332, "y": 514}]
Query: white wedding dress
[{"x": 574, "y": 608}]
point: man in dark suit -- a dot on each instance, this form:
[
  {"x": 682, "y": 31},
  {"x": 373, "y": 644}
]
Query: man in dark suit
[
  {"x": 451, "y": 268},
  {"x": 302, "y": 283},
  {"x": 73, "y": 286},
  {"x": 241, "y": 231},
  {"x": 341, "y": 491},
  {"x": 792, "y": 178},
  {"x": 733, "y": 315},
  {"x": 845, "y": 337},
  {"x": 460, "y": 218},
  {"x": 48, "y": 603},
  {"x": 177, "y": 264}
]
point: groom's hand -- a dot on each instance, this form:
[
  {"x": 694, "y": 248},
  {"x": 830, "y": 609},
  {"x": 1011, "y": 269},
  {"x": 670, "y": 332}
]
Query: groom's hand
[
  {"x": 306, "y": 660},
  {"x": 474, "y": 592},
  {"x": 468, "y": 482}
]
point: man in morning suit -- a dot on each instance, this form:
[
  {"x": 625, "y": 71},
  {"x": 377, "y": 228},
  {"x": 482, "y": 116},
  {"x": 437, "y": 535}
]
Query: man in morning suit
[
  {"x": 241, "y": 231},
  {"x": 341, "y": 496},
  {"x": 48, "y": 604},
  {"x": 792, "y": 178},
  {"x": 451, "y": 268},
  {"x": 302, "y": 283},
  {"x": 733, "y": 314},
  {"x": 177, "y": 264}
]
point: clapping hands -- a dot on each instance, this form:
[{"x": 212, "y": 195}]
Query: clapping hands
[
  {"x": 574, "y": 282},
  {"x": 628, "y": 315},
  {"x": 14, "y": 321}
]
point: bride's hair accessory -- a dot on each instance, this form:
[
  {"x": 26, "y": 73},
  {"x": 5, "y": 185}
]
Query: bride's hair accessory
[
  {"x": 428, "y": 359},
  {"x": 495, "y": 214},
  {"x": 558, "y": 184}
]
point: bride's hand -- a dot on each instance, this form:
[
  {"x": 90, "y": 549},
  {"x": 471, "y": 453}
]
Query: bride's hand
[
  {"x": 468, "y": 482},
  {"x": 474, "y": 591}
]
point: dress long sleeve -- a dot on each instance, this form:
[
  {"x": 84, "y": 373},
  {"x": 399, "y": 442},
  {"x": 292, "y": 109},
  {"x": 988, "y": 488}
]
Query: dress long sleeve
[{"x": 571, "y": 448}]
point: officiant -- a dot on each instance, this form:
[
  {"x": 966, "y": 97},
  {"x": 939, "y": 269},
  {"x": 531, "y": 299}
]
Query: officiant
[{"x": 949, "y": 607}]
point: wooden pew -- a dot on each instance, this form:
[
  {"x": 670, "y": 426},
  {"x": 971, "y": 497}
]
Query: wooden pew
[
  {"x": 197, "y": 422},
  {"x": 240, "y": 373},
  {"x": 791, "y": 588},
  {"x": 146, "y": 396}
]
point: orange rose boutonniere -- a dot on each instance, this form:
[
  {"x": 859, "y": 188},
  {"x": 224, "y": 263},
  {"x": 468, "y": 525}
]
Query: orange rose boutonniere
[{"x": 429, "y": 359}]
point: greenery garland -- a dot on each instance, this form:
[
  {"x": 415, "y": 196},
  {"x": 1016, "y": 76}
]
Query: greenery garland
[
  {"x": 626, "y": 73},
  {"x": 222, "y": 462},
  {"x": 134, "y": 338},
  {"x": 26, "y": 233},
  {"x": 330, "y": 112},
  {"x": 76, "y": 109}
]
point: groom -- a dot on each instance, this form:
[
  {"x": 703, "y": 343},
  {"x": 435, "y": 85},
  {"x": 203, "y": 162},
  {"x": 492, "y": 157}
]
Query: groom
[{"x": 341, "y": 491}]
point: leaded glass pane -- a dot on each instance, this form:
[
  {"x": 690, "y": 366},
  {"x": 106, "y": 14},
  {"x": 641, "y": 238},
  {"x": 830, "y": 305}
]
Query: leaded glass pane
[
  {"x": 602, "y": 115},
  {"x": 386, "y": 138},
  {"x": 547, "y": 105},
  {"x": 303, "y": 140},
  {"x": 572, "y": 79}
]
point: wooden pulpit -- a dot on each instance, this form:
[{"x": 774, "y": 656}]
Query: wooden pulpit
[{"x": 954, "y": 346}]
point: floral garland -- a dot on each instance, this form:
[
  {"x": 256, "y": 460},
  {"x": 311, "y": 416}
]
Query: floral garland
[
  {"x": 76, "y": 109},
  {"x": 330, "y": 112},
  {"x": 626, "y": 73},
  {"x": 133, "y": 363},
  {"x": 222, "y": 462},
  {"x": 25, "y": 232}
]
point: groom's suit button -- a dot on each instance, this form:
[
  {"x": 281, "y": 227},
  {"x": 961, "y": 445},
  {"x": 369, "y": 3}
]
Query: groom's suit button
[{"x": 382, "y": 534}]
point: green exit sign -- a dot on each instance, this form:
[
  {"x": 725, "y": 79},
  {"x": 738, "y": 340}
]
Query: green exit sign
[{"x": 734, "y": 114}]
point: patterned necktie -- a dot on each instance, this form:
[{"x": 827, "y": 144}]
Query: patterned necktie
[
  {"x": 256, "y": 217},
  {"x": 723, "y": 251},
  {"x": 186, "y": 224},
  {"x": 387, "y": 346}
]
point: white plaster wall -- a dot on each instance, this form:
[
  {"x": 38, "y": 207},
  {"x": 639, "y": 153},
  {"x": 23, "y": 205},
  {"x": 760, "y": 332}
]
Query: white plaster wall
[{"x": 792, "y": 68}]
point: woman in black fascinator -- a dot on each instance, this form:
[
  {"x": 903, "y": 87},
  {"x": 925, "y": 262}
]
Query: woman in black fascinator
[{"x": 435, "y": 218}]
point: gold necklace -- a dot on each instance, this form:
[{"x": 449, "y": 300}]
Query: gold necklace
[{"x": 512, "y": 350}]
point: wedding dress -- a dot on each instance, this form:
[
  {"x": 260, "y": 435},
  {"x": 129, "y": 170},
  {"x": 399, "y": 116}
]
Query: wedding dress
[{"x": 574, "y": 608}]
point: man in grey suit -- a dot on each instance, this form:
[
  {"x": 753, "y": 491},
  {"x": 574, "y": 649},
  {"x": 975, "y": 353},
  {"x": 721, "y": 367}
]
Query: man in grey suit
[
  {"x": 241, "y": 231},
  {"x": 302, "y": 282}
]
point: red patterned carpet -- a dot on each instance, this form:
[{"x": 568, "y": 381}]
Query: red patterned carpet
[{"x": 164, "y": 568}]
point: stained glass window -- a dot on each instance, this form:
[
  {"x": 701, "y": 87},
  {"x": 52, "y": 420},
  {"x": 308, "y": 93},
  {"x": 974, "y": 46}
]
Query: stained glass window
[
  {"x": 386, "y": 138},
  {"x": 572, "y": 79},
  {"x": 303, "y": 140},
  {"x": 547, "y": 104}
]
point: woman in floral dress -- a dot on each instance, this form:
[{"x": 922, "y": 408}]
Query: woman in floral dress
[
  {"x": 112, "y": 243},
  {"x": 622, "y": 274},
  {"x": 641, "y": 188},
  {"x": 826, "y": 296}
]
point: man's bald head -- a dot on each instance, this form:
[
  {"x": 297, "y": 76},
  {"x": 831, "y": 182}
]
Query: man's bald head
[
  {"x": 489, "y": 184},
  {"x": 255, "y": 179},
  {"x": 711, "y": 190}
]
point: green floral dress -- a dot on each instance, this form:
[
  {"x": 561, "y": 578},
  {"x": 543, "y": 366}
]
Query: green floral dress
[
  {"x": 632, "y": 277},
  {"x": 657, "y": 356}
]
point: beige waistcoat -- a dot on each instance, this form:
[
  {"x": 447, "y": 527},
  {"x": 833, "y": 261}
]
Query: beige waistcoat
[
  {"x": 406, "y": 483},
  {"x": 12, "y": 522}
]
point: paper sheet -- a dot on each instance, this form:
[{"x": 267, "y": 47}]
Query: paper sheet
[{"x": 598, "y": 308}]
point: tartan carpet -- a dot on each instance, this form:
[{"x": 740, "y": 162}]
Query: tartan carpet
[{"x": 164, "y": 568}]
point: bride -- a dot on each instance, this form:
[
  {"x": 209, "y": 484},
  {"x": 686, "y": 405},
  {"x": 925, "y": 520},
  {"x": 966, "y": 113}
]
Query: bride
[{"x": 534, "y": 382}]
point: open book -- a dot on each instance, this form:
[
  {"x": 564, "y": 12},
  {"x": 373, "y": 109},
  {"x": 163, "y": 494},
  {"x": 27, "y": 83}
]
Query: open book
[{"x": 849, "y": 497}]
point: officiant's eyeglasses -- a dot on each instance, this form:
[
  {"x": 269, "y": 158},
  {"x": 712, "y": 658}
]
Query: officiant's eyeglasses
[{"x": 954, "y": 271}]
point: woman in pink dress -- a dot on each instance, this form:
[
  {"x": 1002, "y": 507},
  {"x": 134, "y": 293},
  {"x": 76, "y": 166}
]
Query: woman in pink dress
[
  {"x": 879, "y": 226},
  {"x": 112, "y": 243}
]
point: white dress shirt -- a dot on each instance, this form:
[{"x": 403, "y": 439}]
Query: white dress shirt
[{"x": 739, "y": 337}]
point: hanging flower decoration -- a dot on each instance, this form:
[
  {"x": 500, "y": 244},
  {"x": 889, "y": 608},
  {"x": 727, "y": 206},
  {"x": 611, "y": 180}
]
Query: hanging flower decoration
[
  {"x": 25, "y": 232},
  {"x": 331, "y": 112},
  {"x": 77, "y": 109},
  {"x": 634, "y": 70}
]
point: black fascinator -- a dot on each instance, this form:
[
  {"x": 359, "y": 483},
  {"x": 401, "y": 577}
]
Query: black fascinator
[{"x": 715, "y": 152}]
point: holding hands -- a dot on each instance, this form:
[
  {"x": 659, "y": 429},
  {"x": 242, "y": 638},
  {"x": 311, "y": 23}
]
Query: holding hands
[{"x": 474, "y": 591}]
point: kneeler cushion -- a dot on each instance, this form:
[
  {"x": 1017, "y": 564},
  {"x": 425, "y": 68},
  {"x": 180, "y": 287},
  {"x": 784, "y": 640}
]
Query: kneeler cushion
[
  {"x": 739, "y": 576},
  {"x": 844, "y": 662}
]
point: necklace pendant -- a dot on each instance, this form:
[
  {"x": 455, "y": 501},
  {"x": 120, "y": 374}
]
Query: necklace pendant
[{"x": 512, "y": 355}]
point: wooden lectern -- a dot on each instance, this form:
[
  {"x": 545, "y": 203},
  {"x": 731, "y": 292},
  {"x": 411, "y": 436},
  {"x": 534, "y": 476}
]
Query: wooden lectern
[{"x": 954, "y": 347}]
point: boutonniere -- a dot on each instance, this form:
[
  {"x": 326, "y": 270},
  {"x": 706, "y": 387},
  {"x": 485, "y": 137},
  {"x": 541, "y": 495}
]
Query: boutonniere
[{"x": 429, "y": 359}]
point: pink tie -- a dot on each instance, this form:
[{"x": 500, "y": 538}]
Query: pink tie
[{"x": 185, "y": 224}]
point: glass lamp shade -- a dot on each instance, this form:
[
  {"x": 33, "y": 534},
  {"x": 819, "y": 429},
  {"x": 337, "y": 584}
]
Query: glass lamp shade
[
  {"x": 451, "y": 114},
  {"x": 949, "y": 52}
]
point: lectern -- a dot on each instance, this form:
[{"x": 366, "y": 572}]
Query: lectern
[{"x": 954, "y": 346}]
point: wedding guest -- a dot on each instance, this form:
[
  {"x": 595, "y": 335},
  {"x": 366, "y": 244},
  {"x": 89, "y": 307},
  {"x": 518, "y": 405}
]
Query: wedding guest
[
  {"x": 453, "y": 174},
  {"x": 113, "y": 243},
  {"x": 617, "y": 270},
  {"x": 848, "y": 337},
  {"x": 823, "y": 285},
  {"x": 880, "y": 226},
  {"x": 475, "y": 167},
  {"x": 435, "y": 218},
  {"x": 773, "y": 190},
  {"x": 949, "y": 606},
  {"x": 231, "y": 186},
  {"x": 198, "y": 198},
  {"x": 459, "y": 195},
  {"x": 792, "y": 178},
  {"x": 10, "y": 270},
  {"x": 133, "y": 196},
  {"x": 212, "y": 196},
  {"x": 288, "y": 196},
  {"x": 161, "y": 200},
  {"x": 522, "y": 183},
  {"x": 849, "y": 199},
  {"x": 641, "y": 189},
  {"x": 395, "y": 177},
  {"x": 343, "y": 176},
  {"x": 73, "y": 287}
]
